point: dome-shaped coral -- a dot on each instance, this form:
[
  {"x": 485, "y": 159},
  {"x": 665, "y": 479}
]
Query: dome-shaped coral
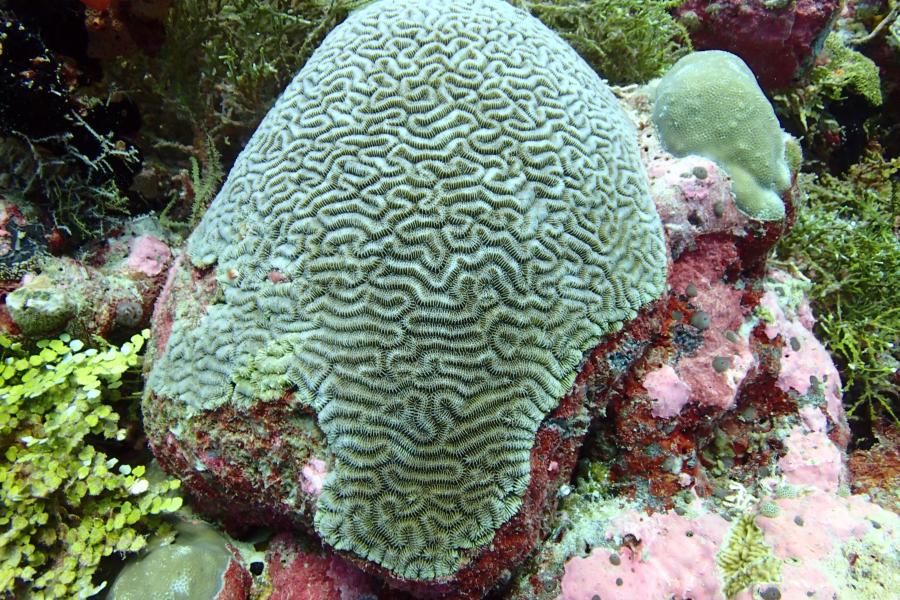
[{"x": 441, "y": 214}]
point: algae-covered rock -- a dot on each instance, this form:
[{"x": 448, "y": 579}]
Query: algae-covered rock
[
  {"x": 40, "y": 309},
  {"x": 710, "y": 104}
]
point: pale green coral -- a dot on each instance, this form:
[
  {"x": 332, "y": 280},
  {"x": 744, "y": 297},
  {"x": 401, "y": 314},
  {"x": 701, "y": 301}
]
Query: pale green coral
[
  {"x": 746, "y": 559},
  {"x": 66, "y": 505},
  {"x": 189, "y": 567},
  {"x": 710, "y": 104},
  {"x": 455, "y": 209}
]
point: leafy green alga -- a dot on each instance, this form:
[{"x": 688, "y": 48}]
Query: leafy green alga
[{"x": 65, "y": 503}]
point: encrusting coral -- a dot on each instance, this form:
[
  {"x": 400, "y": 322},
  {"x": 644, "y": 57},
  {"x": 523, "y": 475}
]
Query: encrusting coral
[
  {"x": 192, "y": 565},
  {"x": 441, "y": 214}
]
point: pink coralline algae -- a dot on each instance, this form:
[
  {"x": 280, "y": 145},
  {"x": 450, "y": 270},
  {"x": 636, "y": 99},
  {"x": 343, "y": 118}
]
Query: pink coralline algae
[
  {"x": 149, "y": 256},
  {"x": 812, "y": 459},
  {"x": 313, "y": 475},
  {"x": 668, "y": 392},
  {"x": 804, "y": 360},
  {"x": 779, "y": 41},
  {"x": 814, "y": 537},
  {"x": 675, "y": 559}
]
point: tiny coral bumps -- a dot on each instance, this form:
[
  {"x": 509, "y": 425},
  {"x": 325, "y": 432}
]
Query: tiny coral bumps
[
  {"x": 709, "y": 104},
  {"x": 441, "y": 214}
]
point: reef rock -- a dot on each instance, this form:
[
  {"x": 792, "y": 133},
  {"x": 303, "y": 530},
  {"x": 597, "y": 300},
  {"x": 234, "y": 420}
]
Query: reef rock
[
  {"x": 718, "y": 468},
  {"x": 108, "y": 291},
  {"x": 779, "y": 40}
]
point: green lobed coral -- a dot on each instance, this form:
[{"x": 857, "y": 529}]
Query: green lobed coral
[
  {"x": 456, "y": 210},
  {"x": 66, "y": 504},
  {"x": 710, "y": 104},
  {"x": 845, "y": 239}
]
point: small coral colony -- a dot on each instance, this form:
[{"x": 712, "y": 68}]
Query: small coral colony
[{"x": 462, "y": 299}]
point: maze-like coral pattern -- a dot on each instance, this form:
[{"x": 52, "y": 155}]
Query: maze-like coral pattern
[{"x": 441, "y": 214}]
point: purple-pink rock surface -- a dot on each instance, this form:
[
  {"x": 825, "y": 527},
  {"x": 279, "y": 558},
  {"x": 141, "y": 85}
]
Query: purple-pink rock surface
[{"x": 779, "y": 41}]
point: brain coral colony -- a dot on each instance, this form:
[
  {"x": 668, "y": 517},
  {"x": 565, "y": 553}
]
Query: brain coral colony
[
  {"x": 444, "y": 210},
  {"x": 464, "y": 320}
]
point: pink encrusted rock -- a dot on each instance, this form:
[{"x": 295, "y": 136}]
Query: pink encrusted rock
[
  {"x": 692, "y": 196},
  {"x": 298, "y": 574},
  {"x": 779, "y": 41},
  {"x": 715, "y": 370},
  {"x": 805, "y": 362},
  {"x": 812, "y": 459},
  {"x": 827, "y": 520},
  {"x": 149, "y": 256},
  {"x": 819, "y": 537},
  {"x": 235, "y": 581},
  {"x": 668, "y": 392},
  {"x": 675, "y": 559}
]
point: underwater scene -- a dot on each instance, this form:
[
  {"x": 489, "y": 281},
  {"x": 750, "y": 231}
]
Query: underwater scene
[{"x": 449, "y": 299}]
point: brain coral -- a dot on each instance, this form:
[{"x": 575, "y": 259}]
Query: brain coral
[{"x": 443, "y": 211}]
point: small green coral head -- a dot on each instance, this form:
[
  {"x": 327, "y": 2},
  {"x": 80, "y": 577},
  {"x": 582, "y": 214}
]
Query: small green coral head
[
  {"x": 710, "y": 104},
  {"x": 190, "y": 568},
  {"x": 38, "y": 308}
]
